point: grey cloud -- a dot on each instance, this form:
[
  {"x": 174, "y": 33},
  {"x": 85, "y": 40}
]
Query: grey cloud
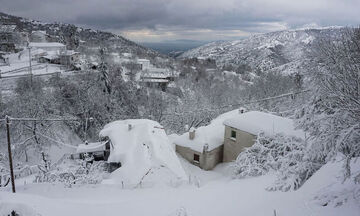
[{"x": 182, "y": 15}]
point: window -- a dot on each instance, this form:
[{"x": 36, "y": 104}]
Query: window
[
  {"x": 196, "y": 158},
  {"x": 233, "y": 134}
]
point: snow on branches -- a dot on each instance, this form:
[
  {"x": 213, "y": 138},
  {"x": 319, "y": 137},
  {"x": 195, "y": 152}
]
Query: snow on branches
[
  {"x": 332, "y": 117},
  {"x": 284, "y": 155}
]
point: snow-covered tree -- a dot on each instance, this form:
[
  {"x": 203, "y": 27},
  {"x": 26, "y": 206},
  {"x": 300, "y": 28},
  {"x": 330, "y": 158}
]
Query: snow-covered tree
[
  {"x": 284, "y": 155},
  {"x": 332, "y": 117}
]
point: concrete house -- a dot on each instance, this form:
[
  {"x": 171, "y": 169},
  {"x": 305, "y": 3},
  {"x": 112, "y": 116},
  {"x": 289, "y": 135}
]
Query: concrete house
[
  {"x": 197, "y": 150},
  {"x": 228, "y": 135},
  {"x": 203, "y": 146},
  {"x": 241, "y": 131}
]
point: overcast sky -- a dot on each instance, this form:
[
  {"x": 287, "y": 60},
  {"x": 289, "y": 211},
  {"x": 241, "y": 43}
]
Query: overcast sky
[{"x": 158, "y": 20}]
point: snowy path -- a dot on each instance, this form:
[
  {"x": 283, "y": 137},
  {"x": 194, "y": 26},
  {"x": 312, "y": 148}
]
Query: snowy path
[{"x": 217, "y": 195}]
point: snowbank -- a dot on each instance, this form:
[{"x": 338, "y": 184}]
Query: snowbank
[
  {"x": 141, "y": 146},
  {"x": 255, "y": 122},
  {"x": 212, "y": 134},
  {"x": 328, "y": 187}
]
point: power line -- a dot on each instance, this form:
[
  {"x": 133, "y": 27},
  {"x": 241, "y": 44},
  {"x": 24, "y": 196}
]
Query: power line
[
  {"x": 59, "y": 142},
  {"x": 241, "y": 104},
  {"x": 35, "y": 119}
]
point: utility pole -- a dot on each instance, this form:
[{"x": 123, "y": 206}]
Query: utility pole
[
  {"x": 7, "y": 118},
  {"x": 30, "y": 69}
]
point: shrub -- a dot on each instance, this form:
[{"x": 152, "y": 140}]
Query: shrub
[{"x": 284, "y": 155}]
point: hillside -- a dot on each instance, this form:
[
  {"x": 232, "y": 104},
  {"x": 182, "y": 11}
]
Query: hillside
[
  {"x": 282, "y": 50},
  {"x": 77, "y": 37}
]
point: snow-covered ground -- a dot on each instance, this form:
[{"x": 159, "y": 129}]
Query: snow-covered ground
[{"x": 210, "y": 193}]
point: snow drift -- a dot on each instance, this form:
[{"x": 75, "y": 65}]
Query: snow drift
[{"x": 141, "y": 146}]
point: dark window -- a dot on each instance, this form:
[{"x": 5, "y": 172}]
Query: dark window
[
  {"x": 196, "y": 157},
  {"x": 233, "y": 134}
]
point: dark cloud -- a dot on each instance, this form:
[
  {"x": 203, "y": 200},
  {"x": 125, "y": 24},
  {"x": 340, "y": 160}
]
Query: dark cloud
[{"x": 172, "y": 19}]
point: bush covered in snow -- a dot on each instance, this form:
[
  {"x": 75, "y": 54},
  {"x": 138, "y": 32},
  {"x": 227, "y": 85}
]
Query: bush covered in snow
[
  {"x": 71, "y": 172},
  {"x": 284, "y": 155}
]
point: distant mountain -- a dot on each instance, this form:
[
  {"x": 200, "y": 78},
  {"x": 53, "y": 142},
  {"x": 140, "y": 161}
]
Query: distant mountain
[
  {"x": 282, "y": 50},
  {"x": 173, "y": 47}
]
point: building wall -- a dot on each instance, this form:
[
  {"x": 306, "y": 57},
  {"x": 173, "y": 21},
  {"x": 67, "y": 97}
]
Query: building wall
[
  {"x": 207, "y": 160},
  {"x": 212, "y": 158},
  {"x": 232, "y": 147}
]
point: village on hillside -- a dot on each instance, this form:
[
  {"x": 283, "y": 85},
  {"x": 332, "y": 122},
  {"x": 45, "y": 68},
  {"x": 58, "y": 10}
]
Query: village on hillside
[
  {"x": 36, "y": 53},
  {"x": 92, "y": 123}
]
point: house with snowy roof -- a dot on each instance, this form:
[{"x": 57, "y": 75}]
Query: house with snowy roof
[
  {"x": 242, "y": 130},
  {"x": 228, "y": 135}
]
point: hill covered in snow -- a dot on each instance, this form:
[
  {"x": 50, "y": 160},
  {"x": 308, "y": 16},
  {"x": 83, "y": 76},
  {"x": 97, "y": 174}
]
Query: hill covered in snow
[
  {"x": 75, "y": 37},
  {"x": 283, "y": 51}
]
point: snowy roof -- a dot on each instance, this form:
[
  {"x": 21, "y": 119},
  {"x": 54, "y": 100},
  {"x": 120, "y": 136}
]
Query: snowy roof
[
  {"x": 154, "y": 80},
  {"x": 7, "y": 28},
  {"x": 255, "y": 122},
  {"x": 143, "y": 60},
  {"x": 91, "y": 147},
  {"x": 212, "y": 134},
  {"x": 50, "y": 57},
  {"x": 51, "y": 44},
  {"x": 38, "y": 32},
  {"x": 69, "y": 53},
  {"x": 140, "y": 145}
]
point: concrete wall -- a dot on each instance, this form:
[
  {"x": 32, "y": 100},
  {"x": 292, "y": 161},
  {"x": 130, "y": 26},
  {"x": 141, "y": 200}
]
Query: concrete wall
[
  {"x": 208, "y": 160},
  {"x": 212, "y": 158},
  {"x": 233, "y": 147}
]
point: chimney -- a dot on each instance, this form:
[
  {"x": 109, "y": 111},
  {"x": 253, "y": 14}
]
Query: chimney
[
  {"x": 242, "y": 110},
  {"x": 192, "y": 133}
]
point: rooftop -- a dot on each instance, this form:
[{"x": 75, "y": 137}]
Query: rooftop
[
  {"x": 51, "y": 44},
  {"x": 255, "y": 122},
  {"x": 211, "y": 135}
]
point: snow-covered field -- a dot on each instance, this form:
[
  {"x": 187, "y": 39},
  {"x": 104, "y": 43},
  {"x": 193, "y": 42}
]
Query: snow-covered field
[{"x": 210, "y": 193}]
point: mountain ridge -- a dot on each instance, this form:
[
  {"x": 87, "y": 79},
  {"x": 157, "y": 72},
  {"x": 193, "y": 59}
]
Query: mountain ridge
[{"x": 281, "y": 50}]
